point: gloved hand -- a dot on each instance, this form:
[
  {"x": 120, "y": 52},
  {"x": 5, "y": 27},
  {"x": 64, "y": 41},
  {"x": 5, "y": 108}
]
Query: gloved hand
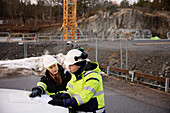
[
  {"x": 35, "y": 93},
  {"x": 60, "y": 96},
  {"x": 57, "y": 102}
]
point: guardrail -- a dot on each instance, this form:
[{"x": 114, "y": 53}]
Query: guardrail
[
  {"x": 21, "y": 37},
  {"x": 15, "y": 37},
  {"x": 4, "y": 36},
  {"x": 168, "y": 35},
  {"x": 49, "y": 36},
  {"x": 30, "y": 36},
  {"x": 132, "y": 74},
  {"x": 131, "y": 34}
]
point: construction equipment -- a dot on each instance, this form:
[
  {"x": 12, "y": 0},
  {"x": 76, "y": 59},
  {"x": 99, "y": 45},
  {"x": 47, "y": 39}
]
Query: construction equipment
[{"x": 69, "y": 26}]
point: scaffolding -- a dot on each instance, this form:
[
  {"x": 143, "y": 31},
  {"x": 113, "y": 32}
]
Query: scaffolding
[{"x": 69, "y": 25}]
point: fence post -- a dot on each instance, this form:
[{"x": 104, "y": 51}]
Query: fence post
[
  {"x": 108, "y": 70},
  {"x": 126, "y": 54},
  {"x": 121, "y": 53},
  {"x": 25, "y": 46},
  {"x": 133, "y": 75},
  {"x": 96, "y": 49},
  {"x": 25, "y": 49},
  {"x": 126, "y": 57},
  {"x": 166, "y": 84}
]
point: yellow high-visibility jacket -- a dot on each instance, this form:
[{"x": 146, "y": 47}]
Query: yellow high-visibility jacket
[{"x": 88, "y": 86}]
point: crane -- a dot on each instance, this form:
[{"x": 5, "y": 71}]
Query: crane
[{"x": 69, "y": 25}]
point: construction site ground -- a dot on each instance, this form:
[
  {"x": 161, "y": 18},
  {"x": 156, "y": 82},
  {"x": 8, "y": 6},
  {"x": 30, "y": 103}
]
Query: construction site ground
[
  {"x": 137, "y": 91},
  {"x": 108, "y": 52}
]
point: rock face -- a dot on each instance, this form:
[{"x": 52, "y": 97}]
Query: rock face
[{"x": 103, "y": 24}]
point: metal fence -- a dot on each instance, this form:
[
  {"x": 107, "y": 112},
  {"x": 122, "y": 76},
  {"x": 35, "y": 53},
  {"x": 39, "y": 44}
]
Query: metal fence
[
  {"x": 124, "y": 47},
  {"x": 4, "y": 36},
  {"x": 168, "y": 35},
  {"x": 131, "y": 34},
  {"x": 132, "y": 74},
  {"x": 134, "y": 57},
  {"x": 36, "y": 37}
]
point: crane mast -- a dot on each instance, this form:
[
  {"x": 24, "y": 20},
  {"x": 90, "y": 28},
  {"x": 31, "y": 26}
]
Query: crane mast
[{"x": 69, "y": 25}]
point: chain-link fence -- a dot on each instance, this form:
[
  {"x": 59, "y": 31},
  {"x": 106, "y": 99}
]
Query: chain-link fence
[
  {"x": 131, "y": 34},
  {"x": 146, "y": 57}
]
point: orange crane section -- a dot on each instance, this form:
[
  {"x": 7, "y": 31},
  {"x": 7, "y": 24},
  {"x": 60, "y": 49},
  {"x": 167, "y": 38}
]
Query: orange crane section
[{"x": 69, "y": 25}]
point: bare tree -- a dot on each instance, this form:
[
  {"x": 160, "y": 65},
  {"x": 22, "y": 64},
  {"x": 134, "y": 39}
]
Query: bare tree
[
  {"x": 50, "y": 3},
  {"x": 41, "y": 9},
  {"x": 24, "y": 10},
  {"x": 124, "y": 4},
  {"x": 59, "y": 4}
]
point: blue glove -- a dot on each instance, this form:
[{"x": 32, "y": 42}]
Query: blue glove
[
  {"x": 35, "y": 93},
  {"x": 57, "y": 102},
  {"x": 60, "y": 96}
]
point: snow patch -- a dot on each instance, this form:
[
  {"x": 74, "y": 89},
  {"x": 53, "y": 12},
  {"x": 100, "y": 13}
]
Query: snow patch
[{"x": 26, "y": 66}]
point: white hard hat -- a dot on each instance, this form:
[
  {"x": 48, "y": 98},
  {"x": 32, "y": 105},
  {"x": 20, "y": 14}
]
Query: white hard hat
[
  {"x": 71, "y": 57},
  {"x": 49, "y": 60}
]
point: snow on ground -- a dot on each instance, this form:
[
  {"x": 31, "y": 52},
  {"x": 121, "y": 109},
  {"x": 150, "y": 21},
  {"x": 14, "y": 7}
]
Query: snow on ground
[{"x": 26, "y": 66}]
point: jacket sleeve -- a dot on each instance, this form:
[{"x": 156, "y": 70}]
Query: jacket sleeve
[
  {"x": 44, "y": 79},
  {"x": 42, "y": 84},
  {"x": 89, "y": 89},
  {"x": 70, "y": 102}
]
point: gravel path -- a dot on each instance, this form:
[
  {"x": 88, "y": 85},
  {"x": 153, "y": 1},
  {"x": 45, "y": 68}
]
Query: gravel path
[{"x": 139, "y": 92}]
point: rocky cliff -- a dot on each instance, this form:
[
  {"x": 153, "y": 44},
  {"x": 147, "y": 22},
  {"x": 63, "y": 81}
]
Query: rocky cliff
[{"x": 103, "y": 24}]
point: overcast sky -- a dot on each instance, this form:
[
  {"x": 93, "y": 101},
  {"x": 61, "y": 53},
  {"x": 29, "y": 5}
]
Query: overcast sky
[
  {"x": 130, "y": 1},
  {"x": 118, "y": 1}
]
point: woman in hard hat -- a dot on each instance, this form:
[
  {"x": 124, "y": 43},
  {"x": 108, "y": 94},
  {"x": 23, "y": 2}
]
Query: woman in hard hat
[
  {"x": 54, "y": 80},
  {"x": 85, "y": 87}
]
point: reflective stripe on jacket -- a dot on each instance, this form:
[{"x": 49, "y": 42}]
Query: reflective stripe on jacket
[
  {"x": 49, "y": 86},
  {"x": 102, "y": 110},
  {"x": 44, "y": 86},
  {"x": 89, "y": 86}
]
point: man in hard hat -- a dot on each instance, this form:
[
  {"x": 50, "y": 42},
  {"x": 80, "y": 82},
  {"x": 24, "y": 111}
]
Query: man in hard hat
[
  {"x": 85, "y": 87},
  {"x": 54, "y": 80}
]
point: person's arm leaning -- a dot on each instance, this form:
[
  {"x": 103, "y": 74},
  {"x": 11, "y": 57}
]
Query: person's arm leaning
[{"x": 39, "y": 89}]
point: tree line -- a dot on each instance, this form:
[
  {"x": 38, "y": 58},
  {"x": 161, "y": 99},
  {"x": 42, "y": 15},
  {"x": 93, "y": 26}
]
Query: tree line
[
  {"x": 44, "y": 9},
  {"x": 155, "y": 5},
  {"x": 52, "y": 10}
]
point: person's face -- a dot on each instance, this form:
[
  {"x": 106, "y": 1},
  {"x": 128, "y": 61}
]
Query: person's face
[
  {"x": 73, "y": 68},
  {"x": 53, "y": 69}
]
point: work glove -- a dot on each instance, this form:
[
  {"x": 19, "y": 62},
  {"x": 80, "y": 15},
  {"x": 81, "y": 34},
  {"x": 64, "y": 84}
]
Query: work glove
[
  {"x": 60, "y": 96},
  {"x": 35, "y": 93},
  {"x": 56, "y": 102}
]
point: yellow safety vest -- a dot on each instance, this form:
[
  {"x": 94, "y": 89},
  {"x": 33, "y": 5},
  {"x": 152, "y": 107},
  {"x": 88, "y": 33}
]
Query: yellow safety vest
[{"x": 90, "y": 86}]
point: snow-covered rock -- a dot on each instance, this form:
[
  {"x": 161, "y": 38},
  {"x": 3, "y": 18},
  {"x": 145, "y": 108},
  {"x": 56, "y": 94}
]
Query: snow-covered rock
[{"x": 26, "y": 66}]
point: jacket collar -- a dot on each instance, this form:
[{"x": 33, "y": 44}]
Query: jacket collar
[{"x": 79, "y": 72}]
